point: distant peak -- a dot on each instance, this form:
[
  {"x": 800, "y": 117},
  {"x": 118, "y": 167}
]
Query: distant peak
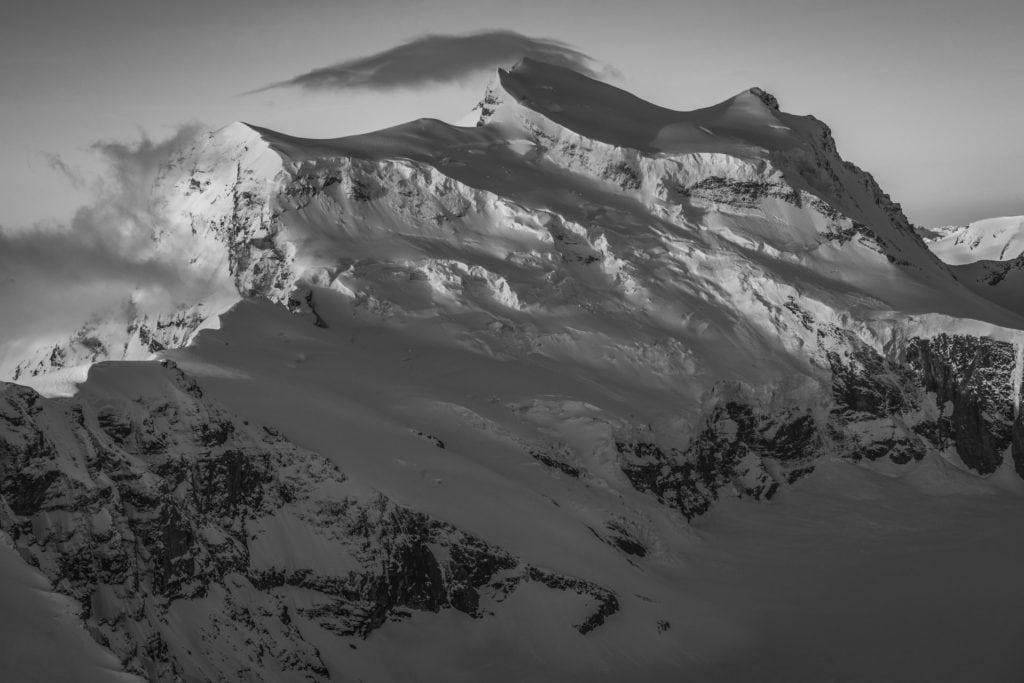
[{"x": 769, "y": 99}]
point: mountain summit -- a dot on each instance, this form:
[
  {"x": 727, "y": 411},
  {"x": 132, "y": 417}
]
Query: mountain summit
[{"x": 513, "y": 400}]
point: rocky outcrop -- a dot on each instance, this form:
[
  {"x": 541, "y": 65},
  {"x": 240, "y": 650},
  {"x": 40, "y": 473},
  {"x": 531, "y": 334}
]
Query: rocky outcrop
[
  {"x": 740, "y": 449},
  {"x": 745, "y": 194},
  {"x": 155, "y": 510},
  {"x": 947, "y": 394},
  {"x": 971, "y": 379}
]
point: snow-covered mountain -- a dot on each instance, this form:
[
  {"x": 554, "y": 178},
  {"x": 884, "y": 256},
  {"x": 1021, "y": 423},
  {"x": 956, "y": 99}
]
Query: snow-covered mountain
[
  {"x": 987, "y": 256},
  {"x": 517, "y": 400},
  {"x": 991, "y": 239}
]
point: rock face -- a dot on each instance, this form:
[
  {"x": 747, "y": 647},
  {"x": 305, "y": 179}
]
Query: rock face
[
  {"x": 747, "y": 453},
  {"x": 950, "y": 393},
  {"x": 167, "y": 513},
  {"x": 972, "y": 381}
]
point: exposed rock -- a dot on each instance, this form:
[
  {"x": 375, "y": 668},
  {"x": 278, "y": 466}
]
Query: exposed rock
[
  {"x": 973, "y": 376},
  {"x": 738, "y": 448},
  {"x": 141, "y": 509}
]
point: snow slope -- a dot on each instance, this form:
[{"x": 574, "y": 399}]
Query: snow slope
[
  {"x": 987, "y": 256},
  {"x": 41, "y": 637},
  {"x": 992, "y": 239},
  {"x": 591, "y": 390}
]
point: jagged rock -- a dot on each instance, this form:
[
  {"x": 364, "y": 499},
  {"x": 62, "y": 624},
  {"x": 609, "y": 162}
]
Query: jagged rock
[
  {"x": 733, "y": 450},
  {"x": 973, "y": 376},
  {"x": 141, "y": 508}
]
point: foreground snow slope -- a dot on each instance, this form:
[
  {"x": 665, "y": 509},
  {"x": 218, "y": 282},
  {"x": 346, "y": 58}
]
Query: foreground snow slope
[
  {"x": 591, "y": 390},
  {"x": 41, "y": 636}
]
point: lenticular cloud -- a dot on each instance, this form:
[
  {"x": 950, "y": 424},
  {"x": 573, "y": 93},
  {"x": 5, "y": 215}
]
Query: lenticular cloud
[{"x": 436, "y": 59}]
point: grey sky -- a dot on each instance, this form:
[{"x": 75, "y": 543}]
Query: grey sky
[{"x": 925, "y": 94}]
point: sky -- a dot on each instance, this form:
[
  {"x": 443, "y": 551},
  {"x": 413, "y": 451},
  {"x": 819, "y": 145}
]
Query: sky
[{"x": 924, "y": 94}]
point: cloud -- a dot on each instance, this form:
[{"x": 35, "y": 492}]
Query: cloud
[
  {"x": 57, "y": 163},
  {"x": 118, "y": 257},
  {"x": 434, "y": 59}
]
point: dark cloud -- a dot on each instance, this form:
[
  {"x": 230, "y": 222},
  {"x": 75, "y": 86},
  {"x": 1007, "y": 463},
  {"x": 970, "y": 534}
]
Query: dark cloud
[{"x": 436, "y": 59}]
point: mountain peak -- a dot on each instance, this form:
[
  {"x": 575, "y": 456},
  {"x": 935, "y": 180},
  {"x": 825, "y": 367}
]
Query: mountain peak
[
  {"x": 992, "y": 239},
  {"x": 238, "y": 130},
  {"x": 770, "y": 100}
]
